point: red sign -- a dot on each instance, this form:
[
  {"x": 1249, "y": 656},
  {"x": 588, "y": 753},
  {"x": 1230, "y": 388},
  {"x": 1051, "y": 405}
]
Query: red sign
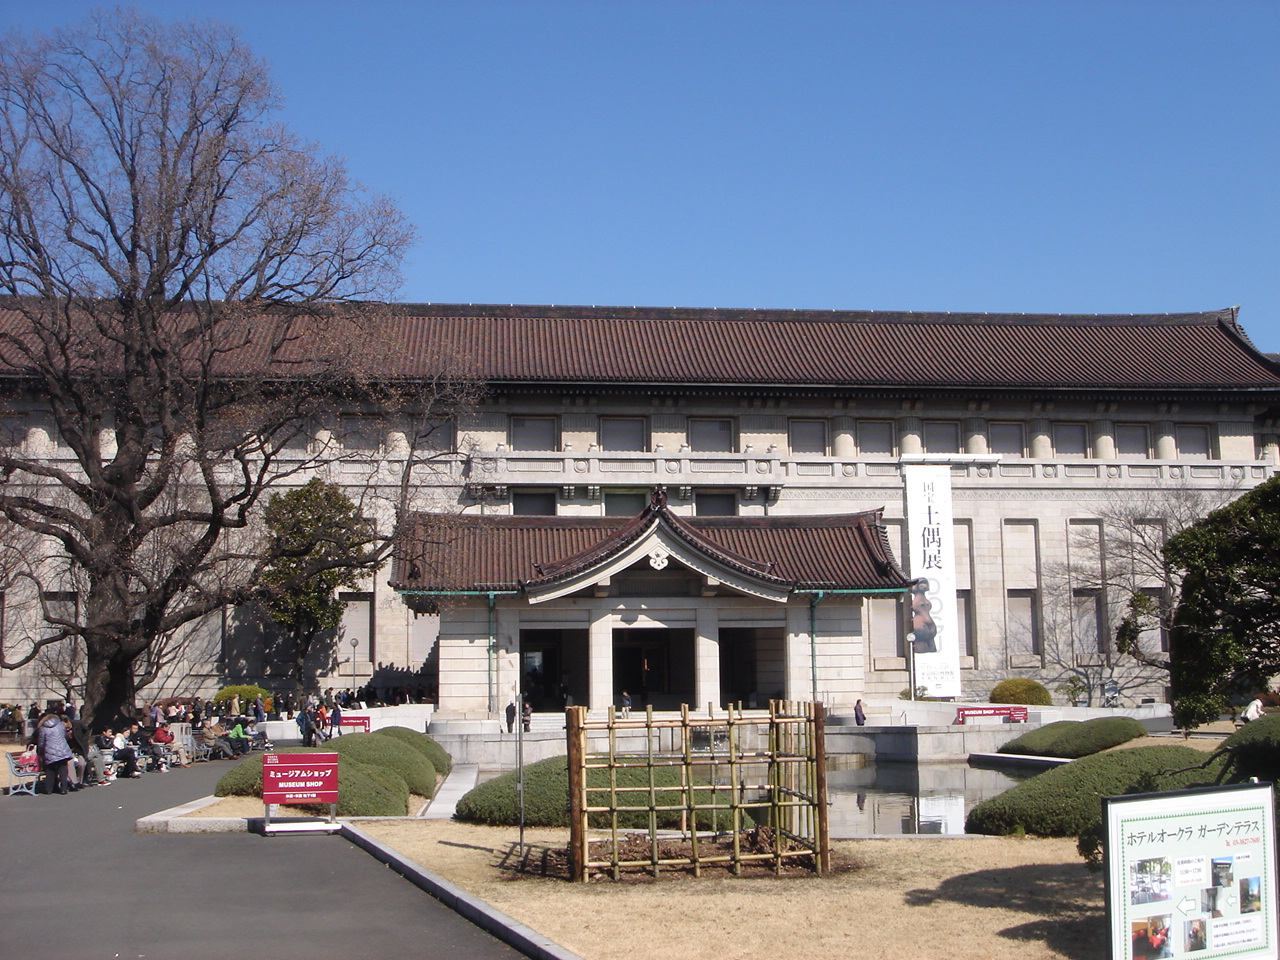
[
  {"x": 1016, "y": 714},
  {"x": 300, "y": 778},
  {"x": 352, "y": 720}
]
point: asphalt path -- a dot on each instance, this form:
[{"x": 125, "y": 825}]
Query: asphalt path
[{"x": 78, "y": 882}]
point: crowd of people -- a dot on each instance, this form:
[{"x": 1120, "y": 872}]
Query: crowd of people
[{"x": 72, "y": 757}]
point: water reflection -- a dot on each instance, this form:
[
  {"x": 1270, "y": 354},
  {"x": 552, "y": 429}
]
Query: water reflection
[{"x": 900, "y": 798}]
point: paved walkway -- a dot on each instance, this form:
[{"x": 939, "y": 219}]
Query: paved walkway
[
  {"x": 462, "y": 777},
  {"x": 83, "y": 884}
]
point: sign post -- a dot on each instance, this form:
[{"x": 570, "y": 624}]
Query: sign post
[
  {"x": 1192, "y": 873},
  {"x": 300, "y": 778}
]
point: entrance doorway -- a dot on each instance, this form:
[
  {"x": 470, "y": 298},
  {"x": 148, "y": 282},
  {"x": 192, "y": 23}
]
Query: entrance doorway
[
  {"x": 750, "y": 665},
  {"x": 553, "y": 668},
  {"x": 654, "y": 665}
]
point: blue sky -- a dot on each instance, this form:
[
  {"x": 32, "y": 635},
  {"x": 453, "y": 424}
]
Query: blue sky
[{"x": 1109, "y": 157}]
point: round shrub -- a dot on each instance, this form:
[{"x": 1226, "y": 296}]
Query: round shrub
[
  {"x": 247, "y": 692},
  {"x": 546, "y": 798},
  {"x": 363, "y": 790},
  {"x": 1021, "y": 690},
  {"x": 1074, "y": 738},
  {"x": 1064, "y": 801},
  {"x": 1033, "y": 742},
  {"x": 400, "y": 758},
  {"x": 1253, "y": 751},
  {"x": 437, "y": 754}
]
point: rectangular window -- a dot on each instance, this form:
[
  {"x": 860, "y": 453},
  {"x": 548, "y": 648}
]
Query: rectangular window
[
  {"x": 1070, "y": 440},
  {"x": 875, "y": 438},
  {"x": 887, "y": 632},
  {"x": 623, "y": 434},
  {"x": 1007, "y": 439},
  {"x": 60, "y": 606},
  {"x": 941, "y": 436},
  {"x": 534, "y": 433},
  {"x": 1193, "y": 442},
  {"x": 964, "y": 622},
  {"x": 715, "y": 504},
  {"x": 1155, "y": 636},
  {"x": 357, "y": 625},
  {"x": 624, "y": 504},
  {"x": 1088, "y": 623},
  {"x": 1133, "y": 441},
  {"x": 1022, "y": 622},
  {"x": 361, "y": 434},
  {"x": 711, "y": 436},
  {"x": 809, "y": 436},
  {"x": 533, "y": 503}
]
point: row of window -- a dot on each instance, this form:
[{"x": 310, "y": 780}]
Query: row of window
[
  {"x": 542, "y": 503},
  {"x": 1133, "y": 441}
]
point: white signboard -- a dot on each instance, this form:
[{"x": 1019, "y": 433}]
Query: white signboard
[
  {"x": 934, "y": 637},
  {"x": 1192, "y": 874}
]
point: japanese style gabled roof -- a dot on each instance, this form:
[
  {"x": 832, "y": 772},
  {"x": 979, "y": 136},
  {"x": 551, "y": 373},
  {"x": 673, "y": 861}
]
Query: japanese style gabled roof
[{"x": 537, "y": 555}]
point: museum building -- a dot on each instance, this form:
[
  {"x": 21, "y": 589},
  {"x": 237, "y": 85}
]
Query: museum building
[{"x": 712, "y": 506}]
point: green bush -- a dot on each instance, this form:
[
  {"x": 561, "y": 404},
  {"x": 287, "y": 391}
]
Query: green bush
[
  {"x": 247, "y": 692},
  {"x": 1021, "y": 690},
  {"x": 1072, "y": 738},
  {"x": 546, "y": 797},
  {"x": 1034, "y": 742},
  {"x": 400, "y": 758},
  {"x": 437, "y": 754},
  {"x": 1253, "y": 751},
  {"x": 1066, "y": 800},
  {"x": 363, "y": 790}
]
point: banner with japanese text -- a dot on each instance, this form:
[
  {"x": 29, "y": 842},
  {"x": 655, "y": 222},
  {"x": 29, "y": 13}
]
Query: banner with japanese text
[{"x": 935, "y": 634}]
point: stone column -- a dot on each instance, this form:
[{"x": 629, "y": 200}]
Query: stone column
[
  {"x": 1104, "y": 439},
  {"x": 706, "y": 657},
  {"x": 1041, "y": 439},
  {"x": 600, "y": 661},
  {"x": 910, "y": 431},
  {"x": 842, "y": 437},
  {"x": 975, "y": 436},
  {"x": 1166, "y": 441}
]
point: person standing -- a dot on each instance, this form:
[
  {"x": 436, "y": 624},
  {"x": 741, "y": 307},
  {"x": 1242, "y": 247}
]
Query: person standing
[
  {"x": 526, "y": 715},
  {"x": 55, "y": 752},
  {"x": 626, "y": 705},
  {"x": 335, "y": 720},
  {"x": 511, "y": 717},
  {"x": 859, "y": 714}
]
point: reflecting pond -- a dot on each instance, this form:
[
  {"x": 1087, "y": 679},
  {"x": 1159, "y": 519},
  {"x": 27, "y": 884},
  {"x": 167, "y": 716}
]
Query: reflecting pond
[{"x": 891, "y": 799}]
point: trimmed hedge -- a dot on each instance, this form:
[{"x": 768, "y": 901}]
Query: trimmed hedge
[
  {"x": 1034, "y": 742},
  {"x": 1065, "y": 801},
  {"x": 1072, "y": 738},
  {"x": 546, "y": 798},
  {"x": 245, "y": 691},
  {"x": 363, "y": 790},
  {"x": 373, "y": 748},
  {"x": 1021, "y": 690},
  {"x": 437, "y": 754},
  {"x": 1253, "y": 751}
]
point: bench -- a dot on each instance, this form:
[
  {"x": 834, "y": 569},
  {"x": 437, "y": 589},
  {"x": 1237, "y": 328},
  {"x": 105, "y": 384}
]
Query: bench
[
  {"x": 1010, "y": 714},
  {"x": 21, "y": 781}
]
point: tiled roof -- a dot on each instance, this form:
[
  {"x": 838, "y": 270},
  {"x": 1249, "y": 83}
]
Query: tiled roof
[
  {"x": 441, "y": 554},
  {"x": 522, "y": 346}
]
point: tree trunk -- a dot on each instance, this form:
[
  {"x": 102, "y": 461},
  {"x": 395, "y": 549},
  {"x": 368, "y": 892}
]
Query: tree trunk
[{"x": 109, "y": 689}]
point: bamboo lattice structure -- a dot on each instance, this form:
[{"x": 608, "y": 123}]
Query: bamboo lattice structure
[{"x": 737, "y": 772}]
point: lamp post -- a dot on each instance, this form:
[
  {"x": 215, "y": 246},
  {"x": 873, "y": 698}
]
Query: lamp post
[{"x": 354, "y": 643}]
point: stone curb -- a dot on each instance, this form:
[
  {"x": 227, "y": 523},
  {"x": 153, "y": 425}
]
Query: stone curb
[{"x": 509, "y": 931}]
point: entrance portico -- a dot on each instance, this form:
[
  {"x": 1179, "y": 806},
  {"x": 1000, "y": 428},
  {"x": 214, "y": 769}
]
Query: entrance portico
[{"x": 670, "y": 609}]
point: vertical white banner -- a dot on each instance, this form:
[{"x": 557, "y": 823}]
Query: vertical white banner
[{"x": 931, "y": 557}]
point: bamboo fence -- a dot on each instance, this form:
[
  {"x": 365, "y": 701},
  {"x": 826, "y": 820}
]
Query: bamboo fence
[{"x": 737, "y": 772}]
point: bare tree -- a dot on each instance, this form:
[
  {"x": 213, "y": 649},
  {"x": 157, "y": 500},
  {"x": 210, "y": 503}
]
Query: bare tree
[{"x": 187, "y": 285}]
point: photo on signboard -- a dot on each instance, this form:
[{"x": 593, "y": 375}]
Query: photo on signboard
[
  {"x": 1150, "y": 880},
  {"x": 1150, "y": 938},
  {"x": 1194, "y": 936},
  {"x": 1209, "y": 901},
  {"x": 1222, "y": 872},
  {"x": 1250, "y": 894}
]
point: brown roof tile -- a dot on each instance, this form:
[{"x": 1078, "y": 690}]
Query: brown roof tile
[{"x": 441, "y": 554}]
